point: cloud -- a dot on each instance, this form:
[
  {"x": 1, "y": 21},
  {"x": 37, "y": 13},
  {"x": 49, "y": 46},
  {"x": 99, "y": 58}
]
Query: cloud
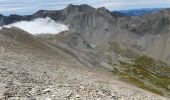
[{"x": 40, "y": 25}]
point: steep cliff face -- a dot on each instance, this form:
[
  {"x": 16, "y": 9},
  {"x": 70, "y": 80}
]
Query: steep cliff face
[
  {"x": 152, "y": 23},
  {"x": 94, "y": 24},
  {"x": 153, "y": 31}
]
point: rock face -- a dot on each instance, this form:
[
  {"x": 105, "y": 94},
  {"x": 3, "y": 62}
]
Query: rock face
[
  {"x": 154, "y": 33},
  {"x": 4, "y": 20}
]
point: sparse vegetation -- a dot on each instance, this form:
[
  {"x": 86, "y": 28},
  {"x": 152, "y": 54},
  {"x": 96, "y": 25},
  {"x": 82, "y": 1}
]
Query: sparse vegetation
[
  {"x": 131, "y": 79},
  {"x": 145, "y": 72}
]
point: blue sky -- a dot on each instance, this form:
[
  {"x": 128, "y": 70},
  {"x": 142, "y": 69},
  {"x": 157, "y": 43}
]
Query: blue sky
[{"x": 30, "y": 6}]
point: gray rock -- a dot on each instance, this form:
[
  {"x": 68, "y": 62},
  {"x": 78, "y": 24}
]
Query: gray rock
[
  {"x": 46, "y": 91},
  {"x": 77, "y": 95}
]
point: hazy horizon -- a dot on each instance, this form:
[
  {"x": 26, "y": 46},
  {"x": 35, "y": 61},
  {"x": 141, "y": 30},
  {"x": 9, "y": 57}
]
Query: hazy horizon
[
  {"x": 25, "y": 7},
  {"x": 59, "y": 9}
]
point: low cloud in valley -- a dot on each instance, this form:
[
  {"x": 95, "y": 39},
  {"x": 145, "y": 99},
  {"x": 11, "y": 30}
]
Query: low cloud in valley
[{"x": 40, "y": 25}]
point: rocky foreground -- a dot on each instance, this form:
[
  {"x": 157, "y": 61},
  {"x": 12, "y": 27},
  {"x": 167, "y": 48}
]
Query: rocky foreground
[{"x": 34, "y": 69}]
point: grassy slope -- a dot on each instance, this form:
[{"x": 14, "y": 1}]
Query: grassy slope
[{"x": 142, "y": 71}]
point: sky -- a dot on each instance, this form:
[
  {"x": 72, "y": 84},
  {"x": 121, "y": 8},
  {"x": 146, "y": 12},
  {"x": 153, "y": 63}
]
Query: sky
[{"x": 26, "y": 7}]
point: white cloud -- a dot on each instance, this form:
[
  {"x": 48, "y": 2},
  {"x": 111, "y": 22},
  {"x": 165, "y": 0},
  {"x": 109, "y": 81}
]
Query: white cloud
[{"x": 40, "y": 25}]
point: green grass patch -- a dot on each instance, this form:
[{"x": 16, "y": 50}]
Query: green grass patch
[
  {"x": 138, "y": 74},
  {"x": 141, "y": 70},
  {"x": 132, "y": 80}
]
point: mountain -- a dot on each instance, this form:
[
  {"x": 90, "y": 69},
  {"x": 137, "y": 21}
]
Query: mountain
[
  {"x": 99, "y": 47},
  {"x": 139, "y": 12},
  {"x": 38, "y": 69}
]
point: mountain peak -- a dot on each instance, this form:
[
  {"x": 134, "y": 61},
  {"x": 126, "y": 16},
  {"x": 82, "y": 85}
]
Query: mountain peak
[
  {"x": 82, "y": 5},
  {"x": 79, "y": 8},
  {"x": 102, "y": 8}
]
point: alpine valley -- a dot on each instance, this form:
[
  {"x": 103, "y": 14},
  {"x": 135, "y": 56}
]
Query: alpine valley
[{"x": 102, "y": 56}]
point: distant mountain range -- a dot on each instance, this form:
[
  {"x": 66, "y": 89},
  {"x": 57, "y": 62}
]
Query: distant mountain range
[{"x": 139, "y": 12}]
